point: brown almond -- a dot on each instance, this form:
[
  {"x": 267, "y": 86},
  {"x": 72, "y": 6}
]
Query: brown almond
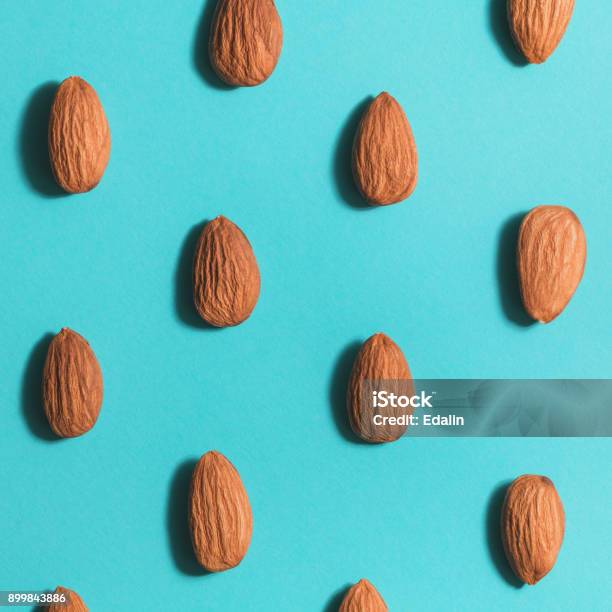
[
  {"x": 75, "y": 603},
  {"x": 72, "y": 387},
  {"x": 385, "y": 162},
  {"x": 380, "y": 365},
  {"x": 532, "y": 527},
  {"x": 245, "y": 42},
  {"x": 79, "y": 136},
  {"x": 538, "y": 26},
  {"x": 551, "y": 256},
  {"x": 363, "y": 597},
  {"x": 226, "y": 278},
  {"x": 220, "y": 515}
]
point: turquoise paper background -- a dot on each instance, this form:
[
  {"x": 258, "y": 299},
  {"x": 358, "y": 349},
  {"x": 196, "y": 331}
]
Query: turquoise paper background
[{"x": 106, "y": 514}]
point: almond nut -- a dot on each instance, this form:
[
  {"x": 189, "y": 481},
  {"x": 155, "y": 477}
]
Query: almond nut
[
  {"x": 246, "y": 39},
  {"x": 532, "y": 527},
  {"x": 385, "y": 163},
  {"x": 75, "y": 603},
  {"x": 72, "y": 387},
  {"x": 220, "y": 515},
  {"x": 363, "y": 597},
  {"x": 79, "y": 136},
  {"x": 380, "y": 364},
  {"x": 538, "y": 26},
  {"x": 225, "y": 274},
  {"x": 551, "y": 256}
]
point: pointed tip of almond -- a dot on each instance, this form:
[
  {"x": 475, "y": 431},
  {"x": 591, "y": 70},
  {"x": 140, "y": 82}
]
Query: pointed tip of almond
[{"x": 380, "y": 337}]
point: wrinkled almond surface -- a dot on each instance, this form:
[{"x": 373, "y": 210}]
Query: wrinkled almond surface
[
  {"x": 538, "y": 26},
  {"x": 385, "y": 163},
  {"x": 245, "y": 41},
  {"x": 551, "y": 256},
  {"x": 363, "y": 597},
  {"x": 380, "y": 365},
  {"x": 532, "y": 527},
  {"x": 72, "y": 386},
  {"x": 79, "y": 136},
  {"x": 76, "y": 603},
  {"x": 220, "y": 515},
  {"x": 225, "y": 274}
]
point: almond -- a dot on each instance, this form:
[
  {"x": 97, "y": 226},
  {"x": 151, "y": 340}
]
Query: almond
[
  {"x": 72, "y": 386},
  {"x": 551, "y": 256},
  {"x": 380, "y": 365},
  {"x": 225, "y": 274},
  {"x": 538, "y": 26},
  {"x": 385, "y": 163},
  {"x": 220, "y": 515},
  {"x": 363, "y": 597},
  {"x": 532, "y": 527},
  {"x": 245, "y": 41},
  {"x": 79, "y": 136},
  {"x": 75, "y": 602}
]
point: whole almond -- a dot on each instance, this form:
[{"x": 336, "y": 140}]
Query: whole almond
[
  {"x": 220, "y": 515},
  {"x": 246, "y": 39},
  {"x": 79, "y": 136},
  {"x": 538, "y": 26},
  {"x": 532, "y": 527},
  {"x": 75, "y": 604},
  {"x": 72, "y": 387},
  {"x": 380, "y": 365},
  {"x": 551, "y": 256},
  {"x": 385, "y": 162},
  {"x": 225, "y": 274},
  {"x": 363, "y": 597}
]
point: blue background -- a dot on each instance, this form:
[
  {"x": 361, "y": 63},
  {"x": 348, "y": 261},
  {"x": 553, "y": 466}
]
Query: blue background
[{"x": 105, "y": 514}]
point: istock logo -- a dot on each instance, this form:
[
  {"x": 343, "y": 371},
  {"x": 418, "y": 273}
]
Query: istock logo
[{"x": 387, "y": 399}]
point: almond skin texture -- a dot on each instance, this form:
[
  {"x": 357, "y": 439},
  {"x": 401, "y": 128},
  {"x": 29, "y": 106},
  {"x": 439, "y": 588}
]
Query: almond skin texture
[
  {"x": 72, "y": 387},
  {"x": 532, "y": 527},
  {"x": 79, "y": 136},
  {"x": 246, "y": 39},
  {"x": 363, "y": 597},
  {"x": 76, "y": 603},
  {"x": 220, "y": 515},
  {"x": 379, "y": 359},
  {"x": 538, "y": 26},
  {"x": 226, "y": 278},
  {"x": 385, "y": 162},
  {"x": 551, "y": 256}
]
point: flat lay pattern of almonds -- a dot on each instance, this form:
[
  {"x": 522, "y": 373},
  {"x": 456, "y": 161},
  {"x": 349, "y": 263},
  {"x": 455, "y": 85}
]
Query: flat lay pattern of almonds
[
  {"x": 226, "y": 278},
  {"x": 246, "y": 39},
  {"x": 538, "y": 26},
  {"x": 379, "y": 362},
  {"x": 385, "y": 161},
  {"x": 79, "y": 136},
  {"x": 363, "y": 597},
  {"x": 72, "y": 387},
  {"x": 220, "y": 517},
  {"x": 532, "y": 527},
  {"x": 75, "y": 604},
  {"x": 551, "y": 256}
]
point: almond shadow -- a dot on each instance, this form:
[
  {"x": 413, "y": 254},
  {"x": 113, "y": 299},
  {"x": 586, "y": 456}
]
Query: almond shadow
[
  {"x": 342, "y": 165},
  {"x": 500, "y": 28},
  {"x": 33, "y": 142},
  {"x": 337, "y": 391},
  {"x": 184, "y": 306},
  {"x": 336, "y": 599},
  {"x": 200, "y": 55},
  {"x": 507, "y": 273},
  {"x": 493, "y": 535},
  {"x": 31, "y": 391},
  {"x": 177, "y": 521}
]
